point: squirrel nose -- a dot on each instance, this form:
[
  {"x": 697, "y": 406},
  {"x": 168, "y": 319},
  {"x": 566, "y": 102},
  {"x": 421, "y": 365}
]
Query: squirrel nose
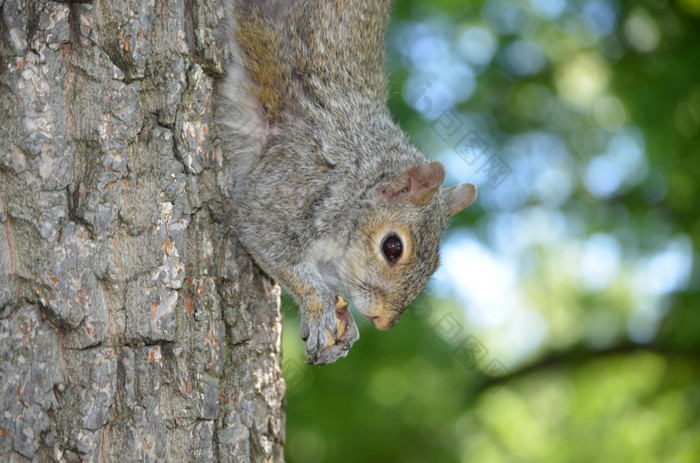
[{"x": 381, "y": 322}]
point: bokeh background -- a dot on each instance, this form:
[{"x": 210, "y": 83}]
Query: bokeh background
[{"x": 564, "y": 322}]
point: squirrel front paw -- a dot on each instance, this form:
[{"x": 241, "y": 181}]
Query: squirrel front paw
[{"x": 329, "y": 334}]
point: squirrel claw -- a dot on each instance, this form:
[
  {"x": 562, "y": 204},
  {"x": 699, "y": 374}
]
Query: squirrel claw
[
  {"x": 342, "y": 315},
  {"x": 340, "y": 303},
  {"x": 339, "y": 334}
]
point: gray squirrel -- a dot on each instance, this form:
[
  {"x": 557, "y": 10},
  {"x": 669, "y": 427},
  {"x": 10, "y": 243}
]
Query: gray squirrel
[{"x": 329, "y": 197}]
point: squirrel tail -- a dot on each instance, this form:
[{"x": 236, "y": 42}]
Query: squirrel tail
[
  {"x": 244, "y": 126},
  {"x": 251, "y": 95}
]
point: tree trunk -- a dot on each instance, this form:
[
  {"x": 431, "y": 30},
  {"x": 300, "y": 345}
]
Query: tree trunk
[{"x": 132, "y": 327}]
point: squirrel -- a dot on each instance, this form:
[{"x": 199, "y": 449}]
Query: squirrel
[{"x": 329, "y": 197}]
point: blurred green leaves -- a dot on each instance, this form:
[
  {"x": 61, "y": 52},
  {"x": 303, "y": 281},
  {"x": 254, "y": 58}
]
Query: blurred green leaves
[{"x": 632, "y": 407}]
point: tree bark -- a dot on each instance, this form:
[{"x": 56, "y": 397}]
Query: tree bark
[{"x": 132, "y": 326}]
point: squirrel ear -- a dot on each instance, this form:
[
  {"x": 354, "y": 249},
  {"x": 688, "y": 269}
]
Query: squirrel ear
[
  {"x": 458, "y": 197},
  {"x": 416, "y": 184}
]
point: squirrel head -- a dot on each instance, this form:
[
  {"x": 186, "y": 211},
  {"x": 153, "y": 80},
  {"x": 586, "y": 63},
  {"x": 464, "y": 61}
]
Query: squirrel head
[{"x": 394, "y": 248}]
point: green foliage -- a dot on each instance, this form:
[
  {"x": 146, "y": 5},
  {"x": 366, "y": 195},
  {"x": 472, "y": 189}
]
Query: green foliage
[{"x": 574, "y": 282}]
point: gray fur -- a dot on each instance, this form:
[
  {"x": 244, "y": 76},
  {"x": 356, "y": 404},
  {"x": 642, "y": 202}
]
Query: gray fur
[{"x": 307, "y": 202}]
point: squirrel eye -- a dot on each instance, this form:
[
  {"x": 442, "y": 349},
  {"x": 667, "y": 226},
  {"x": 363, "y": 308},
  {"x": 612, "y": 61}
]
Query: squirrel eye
[{"x": 392, "y": 248}]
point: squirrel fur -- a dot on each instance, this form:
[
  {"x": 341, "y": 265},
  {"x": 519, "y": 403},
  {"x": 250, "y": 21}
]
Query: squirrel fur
[{"x": 329, "y": 197}]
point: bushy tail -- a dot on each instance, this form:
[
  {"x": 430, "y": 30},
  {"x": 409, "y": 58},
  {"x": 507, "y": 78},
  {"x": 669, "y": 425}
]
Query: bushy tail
[{"x": 242, "y": 124}]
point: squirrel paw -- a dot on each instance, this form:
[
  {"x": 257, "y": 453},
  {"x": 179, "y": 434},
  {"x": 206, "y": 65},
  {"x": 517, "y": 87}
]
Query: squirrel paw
[{"x": 330, "y": 336}]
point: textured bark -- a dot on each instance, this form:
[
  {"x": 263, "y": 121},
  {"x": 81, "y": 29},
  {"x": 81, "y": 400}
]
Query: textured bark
[{"x": 132, "y": 327}]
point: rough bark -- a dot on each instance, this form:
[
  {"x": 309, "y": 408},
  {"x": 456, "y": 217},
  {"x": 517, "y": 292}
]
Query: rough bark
[{"x": 132, "y": 327}]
